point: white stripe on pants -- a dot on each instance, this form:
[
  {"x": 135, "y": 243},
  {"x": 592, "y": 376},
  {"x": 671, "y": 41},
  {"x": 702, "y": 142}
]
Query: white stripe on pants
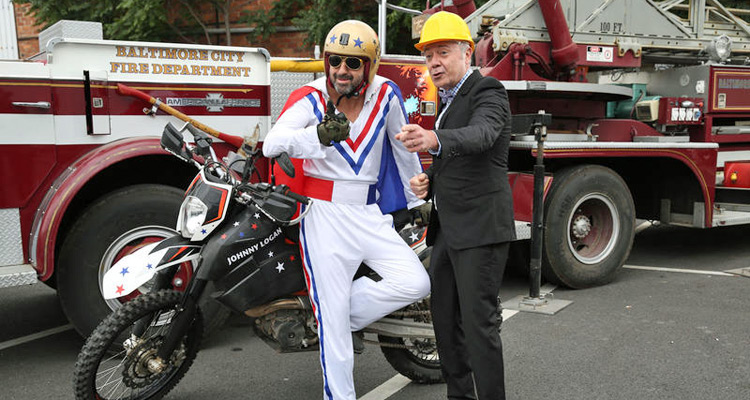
[{"x": 335, "y": 239}]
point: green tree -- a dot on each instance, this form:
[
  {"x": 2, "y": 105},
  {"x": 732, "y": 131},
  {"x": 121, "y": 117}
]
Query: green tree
[
  {"x": 138, "y": 19},
  {"x": 322, "y": 15},
  {"x": 267, "y": 22},
  {"x": 131, "y": 19},
  {"x": 167, "y": 19}
]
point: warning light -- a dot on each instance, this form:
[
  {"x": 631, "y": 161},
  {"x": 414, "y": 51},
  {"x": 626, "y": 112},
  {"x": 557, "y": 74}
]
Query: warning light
[{"x": 733, "y": 177}]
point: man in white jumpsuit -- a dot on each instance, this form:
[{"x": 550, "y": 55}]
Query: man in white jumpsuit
[{"x": 357, "y": 171}]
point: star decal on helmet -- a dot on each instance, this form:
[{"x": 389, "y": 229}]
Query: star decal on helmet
[{"x": 357, "y": 43}]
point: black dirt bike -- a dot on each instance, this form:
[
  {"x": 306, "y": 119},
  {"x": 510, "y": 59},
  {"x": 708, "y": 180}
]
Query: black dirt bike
[{"x": 239, "y": 236}]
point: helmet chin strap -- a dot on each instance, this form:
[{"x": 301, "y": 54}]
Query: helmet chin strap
[{"x": 354, "y": 93}]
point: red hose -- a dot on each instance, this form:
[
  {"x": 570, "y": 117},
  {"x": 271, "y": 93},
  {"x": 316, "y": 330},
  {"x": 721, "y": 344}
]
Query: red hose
[{"x": 564, "y": 51}]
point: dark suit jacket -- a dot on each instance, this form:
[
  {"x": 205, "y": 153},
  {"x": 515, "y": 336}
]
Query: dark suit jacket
[{"x": 469, "y": 178}]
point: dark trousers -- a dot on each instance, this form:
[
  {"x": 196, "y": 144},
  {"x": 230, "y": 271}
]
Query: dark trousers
[{"x": 465, "y": 286}]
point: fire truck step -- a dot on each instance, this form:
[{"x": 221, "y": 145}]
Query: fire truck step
[
  {"x": 17, "y": 275},
  {"x": 726, "y": 214}
]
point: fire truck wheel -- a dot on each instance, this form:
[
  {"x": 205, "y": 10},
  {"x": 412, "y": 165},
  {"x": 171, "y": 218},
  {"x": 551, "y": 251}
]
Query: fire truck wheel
[
  {"x": 589, "y": 220},
  {"x": 113, "y": 226}
]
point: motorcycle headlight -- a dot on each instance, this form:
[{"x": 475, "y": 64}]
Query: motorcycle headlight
[{"x": 192, "y": 215}]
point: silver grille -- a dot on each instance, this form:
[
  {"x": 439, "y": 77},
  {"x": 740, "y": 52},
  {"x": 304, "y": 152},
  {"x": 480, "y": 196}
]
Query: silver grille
[{"x": 282, "y": 85}]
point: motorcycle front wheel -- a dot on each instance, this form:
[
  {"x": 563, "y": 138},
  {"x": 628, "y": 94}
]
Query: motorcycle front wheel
[{"x": 118, "y": 363}]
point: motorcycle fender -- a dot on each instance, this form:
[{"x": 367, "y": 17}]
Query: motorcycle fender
[{"x": 137, "y": 268}]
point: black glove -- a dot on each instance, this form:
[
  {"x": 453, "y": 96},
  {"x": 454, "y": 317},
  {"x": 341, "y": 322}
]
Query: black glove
[
  {"x": 421, "y": 214},
  {"x": 334, "y": 127}
]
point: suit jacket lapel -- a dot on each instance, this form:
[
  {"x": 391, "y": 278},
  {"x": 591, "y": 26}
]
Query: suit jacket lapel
[{"x": 465, "y": 88}]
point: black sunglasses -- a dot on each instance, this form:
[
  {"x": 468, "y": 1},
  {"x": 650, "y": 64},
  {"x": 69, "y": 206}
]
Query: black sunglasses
[{"x": 353, "y": 63}]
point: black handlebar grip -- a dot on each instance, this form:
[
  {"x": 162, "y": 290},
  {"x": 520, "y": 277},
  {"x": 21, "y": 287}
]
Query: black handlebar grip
[
  {"x": 300, "y": 198},
  {"x": 194, "y": 131}
]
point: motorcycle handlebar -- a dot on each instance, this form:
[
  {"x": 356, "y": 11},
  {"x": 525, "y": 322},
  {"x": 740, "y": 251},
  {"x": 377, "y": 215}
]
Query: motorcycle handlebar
[
  {"x": 298, "y": 197},
  {"x": 194, "y": 131}
]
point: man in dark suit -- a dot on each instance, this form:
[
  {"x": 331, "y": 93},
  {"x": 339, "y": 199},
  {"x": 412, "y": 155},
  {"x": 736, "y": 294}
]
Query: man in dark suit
[{"x": 471, "y": 223}]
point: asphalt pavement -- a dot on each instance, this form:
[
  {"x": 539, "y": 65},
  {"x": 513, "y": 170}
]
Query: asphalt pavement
[{"x": 673, "y": 325}]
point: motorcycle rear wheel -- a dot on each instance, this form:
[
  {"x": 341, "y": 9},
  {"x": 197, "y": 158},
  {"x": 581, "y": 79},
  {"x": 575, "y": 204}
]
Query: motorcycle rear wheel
[
  {"x": 414, "y": 358},
  {"x": 113, "y": 363}
]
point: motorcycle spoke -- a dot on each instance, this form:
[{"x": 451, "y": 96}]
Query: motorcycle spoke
[
  {"x": 109, "y": 381},
  {"x": 113, "y": 389},
  {"x": 113, "y": 369},
  {"x": 117, "y": 359},
  {"x": 120, "y": 354}
]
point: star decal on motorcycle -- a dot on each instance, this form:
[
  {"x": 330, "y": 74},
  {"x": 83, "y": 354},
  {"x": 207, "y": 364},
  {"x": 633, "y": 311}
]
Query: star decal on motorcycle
[
  {"x": 413, "y": 237},
  {"x": 270, "y": 254},
  {"x": 149, "y": 266},
  {"x": 242, "y": 234},
  {"x": 124, "y": 271},
  {"x": 236, "y": 223},
  {"x": 280, "y": 266},
  {"x": 291, "y": 258},
  {"x": 224, "y": 236},
  {"x": 256, "y": 215},
  {"x": 254, "y": 226},
  {"x": 120, "y": 289}
]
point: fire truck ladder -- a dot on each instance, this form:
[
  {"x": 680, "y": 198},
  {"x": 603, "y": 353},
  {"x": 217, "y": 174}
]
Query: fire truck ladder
[{"x": 670, "y": 31}]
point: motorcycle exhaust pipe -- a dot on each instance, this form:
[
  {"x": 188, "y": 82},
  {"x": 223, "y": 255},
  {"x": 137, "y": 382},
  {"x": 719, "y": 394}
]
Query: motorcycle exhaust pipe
[
  {"x": 297, "y": 303},
  {"x": 393, "y": 327},
  {"x": 401, "y": 328}
]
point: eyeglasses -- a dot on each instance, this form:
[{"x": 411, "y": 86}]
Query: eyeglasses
[{"x": 353, "y": 63}]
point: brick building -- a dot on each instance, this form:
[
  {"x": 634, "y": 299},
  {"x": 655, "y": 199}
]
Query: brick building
[
  {"x": 27, "y": 31},
  {"x": 286, "y": 42}
]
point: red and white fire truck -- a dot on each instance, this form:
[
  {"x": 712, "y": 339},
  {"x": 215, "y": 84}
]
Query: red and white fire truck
[
  {"x": 84, "y": 180},
  {"x": 650, "y": 118}
]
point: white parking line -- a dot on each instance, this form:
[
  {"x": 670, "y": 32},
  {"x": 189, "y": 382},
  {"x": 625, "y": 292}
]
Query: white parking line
[
  {"x": 34, "y": 336},
  {"x": 398, "y": 382},
  {"x": 680, "y": 270},
  {"x": 387, "y": 389}
]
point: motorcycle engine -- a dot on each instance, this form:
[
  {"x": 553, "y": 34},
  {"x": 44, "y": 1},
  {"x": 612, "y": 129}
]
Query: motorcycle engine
[{"x": 288, "y": 330}]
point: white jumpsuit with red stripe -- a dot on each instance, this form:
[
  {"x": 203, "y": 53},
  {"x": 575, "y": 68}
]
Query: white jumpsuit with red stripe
[{"x": 345, "y": 227}]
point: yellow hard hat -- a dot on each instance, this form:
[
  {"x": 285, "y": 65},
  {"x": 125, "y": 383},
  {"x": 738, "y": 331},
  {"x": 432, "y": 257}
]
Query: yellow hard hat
[
  {"x": 443, "y": 26},
  {"x": 357, "y": 39}
]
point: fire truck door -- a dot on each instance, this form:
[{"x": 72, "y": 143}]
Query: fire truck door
[
  {"x": 27, "y": 136},
  {"x": 96, "y": 95}
]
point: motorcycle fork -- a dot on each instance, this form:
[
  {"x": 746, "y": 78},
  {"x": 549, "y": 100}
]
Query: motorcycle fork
[
  {"x": 185, "y": 315},
  {"x": 161, "y": 281}
]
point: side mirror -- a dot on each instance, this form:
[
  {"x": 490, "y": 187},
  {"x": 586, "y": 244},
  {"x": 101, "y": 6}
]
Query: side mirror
[
  {"x": 286, "y": 164},
  {"x": 173, "y": 142}
]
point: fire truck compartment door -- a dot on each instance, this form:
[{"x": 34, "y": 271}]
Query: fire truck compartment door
[
  {"x": 96, "y": 94},
  {"x": 27, "y": 133}
]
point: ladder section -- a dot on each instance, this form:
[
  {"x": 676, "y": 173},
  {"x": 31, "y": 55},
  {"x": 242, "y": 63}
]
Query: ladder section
[{"x": 664, "y": 31}]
